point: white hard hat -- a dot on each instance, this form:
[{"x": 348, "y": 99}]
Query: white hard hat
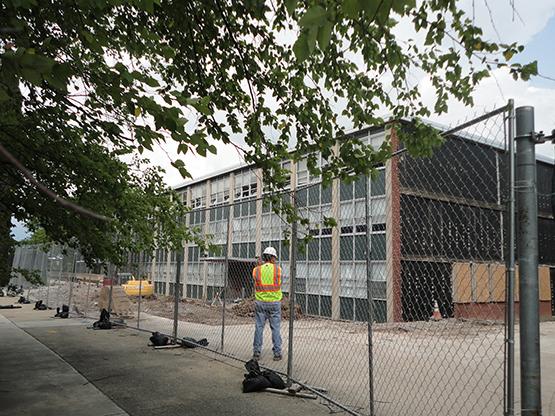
[{"x": 270, "y": 251}]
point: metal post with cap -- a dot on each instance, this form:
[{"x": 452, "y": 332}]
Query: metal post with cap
[{"x": 527, "y": 199}]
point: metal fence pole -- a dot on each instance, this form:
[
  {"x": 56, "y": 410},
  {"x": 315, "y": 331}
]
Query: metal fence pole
[
  {"x": 369, "y": 294},
  {"x": 48, "y": 270},
  {"x": 510, "y": 289},
  {"x": 71, "y": 280},
  {"x": 88, "y": 292},
  {"x": 139, "y": 302},
  {"x": 176, "y": 293},
  {"x": 226, "y": 272},
  {"x": 61, "y": 260},
  {"x": 292, "y": 280},
  {"x": 530, "y": 382},
  {"x": 111, "y": 290}
]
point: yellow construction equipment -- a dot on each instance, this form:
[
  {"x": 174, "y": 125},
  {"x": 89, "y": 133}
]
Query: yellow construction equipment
[{"x": 134, "y": 287}]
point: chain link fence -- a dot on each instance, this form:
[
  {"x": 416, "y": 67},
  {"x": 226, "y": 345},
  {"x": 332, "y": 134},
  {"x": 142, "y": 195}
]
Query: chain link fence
[
  {"x": 399, "y": 308},
  {"x": 63, "y": 278}
]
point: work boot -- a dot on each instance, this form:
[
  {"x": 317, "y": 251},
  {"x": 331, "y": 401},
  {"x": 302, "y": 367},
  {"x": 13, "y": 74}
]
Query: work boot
[
  {"x": 277, "y": 357},
  {"x": 256, "y": 356}
]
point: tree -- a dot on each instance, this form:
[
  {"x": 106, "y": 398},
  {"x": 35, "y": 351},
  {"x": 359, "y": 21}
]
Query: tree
[
  {"x": 84, "y": 84},
  {"x": 31, "y": 276},
  {"x": 38, "y": 237}
]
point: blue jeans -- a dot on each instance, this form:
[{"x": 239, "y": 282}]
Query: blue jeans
[{"x": 270, "y": 311}]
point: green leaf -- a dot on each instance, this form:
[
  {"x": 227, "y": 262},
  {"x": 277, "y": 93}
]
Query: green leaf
[
  {"x": 315, "y": 16},
  {"x": 202, "y": 107},
  {"x": 4, "y": 96},
  {"x": 300, "y": 48},
  {"x": 168, "y": 52},
  {"x": 34, "y": 77},
  {"x": 324, "y": 35},
  {"x": 55, "y": 82},
  {"x": 290, "y": 5},
  {"x": 529, "y": 70},
  {"x": 330, "y": 222},
  {"x": 151, "y": 82},
  {"x": 379, "y": 8},
  {"x": 398, "y": 6},
  {"x": 508, "y": 54},
  {"x": 352, "y": 8},
  {"x": 40, "y": 63},
  {"x": 311, "y": 39},
  {"x": 182, "y": 148},
  {"x": 24, "y": 4},
  {"x": 137, "y": 111}
]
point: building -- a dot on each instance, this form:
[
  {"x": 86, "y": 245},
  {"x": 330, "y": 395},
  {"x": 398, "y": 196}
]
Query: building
[{"x": 437, "y": 233}]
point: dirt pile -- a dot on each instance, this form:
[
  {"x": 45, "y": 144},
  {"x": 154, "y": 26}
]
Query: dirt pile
[{"x": 246, "y": 308}]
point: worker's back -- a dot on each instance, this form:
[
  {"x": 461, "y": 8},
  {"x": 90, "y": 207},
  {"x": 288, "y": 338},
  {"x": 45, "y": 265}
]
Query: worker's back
[{"x": 267, "y": 282}]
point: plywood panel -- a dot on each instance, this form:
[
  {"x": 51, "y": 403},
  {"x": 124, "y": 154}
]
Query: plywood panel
[
  {"x": 544, "y": 283},
  {"x": 498, "y": 278},
  {"x": 481, "y": 282},
  {"x": 462, "y": 283},
  {"x": 545, "y": 286}
]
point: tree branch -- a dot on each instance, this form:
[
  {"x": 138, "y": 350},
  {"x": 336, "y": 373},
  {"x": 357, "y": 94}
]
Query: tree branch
[{"x": 42, "y": 188}]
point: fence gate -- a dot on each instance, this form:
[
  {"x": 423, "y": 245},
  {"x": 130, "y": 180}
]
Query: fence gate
[{"x": 447, "y": 261}]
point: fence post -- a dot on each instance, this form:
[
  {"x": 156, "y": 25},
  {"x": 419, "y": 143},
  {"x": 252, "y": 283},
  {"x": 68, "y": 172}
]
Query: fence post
[
  {"x": 71, "y": 280},
  {"x": 369, "y": 294},
  {"x": 226, "y": 272},
  {"x": 88, "y": 292},
  {"x": 61, "y": 260},
  {"x": 139, "y": 302},
  {"x": 292, "y": 281},
  {"x": 112, "y": 289},
  {"x": 48, "y": 287},
  {"x": 510, "y": 290},
  {"x": 530, "y": 380},
  {"x": 176, "y": 293}
]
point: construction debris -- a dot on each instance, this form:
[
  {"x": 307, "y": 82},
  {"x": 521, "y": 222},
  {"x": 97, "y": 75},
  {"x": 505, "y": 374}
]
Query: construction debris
[{"x": 246, "y": 308}]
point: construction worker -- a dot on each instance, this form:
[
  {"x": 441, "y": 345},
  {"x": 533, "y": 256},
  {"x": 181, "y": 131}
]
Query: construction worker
[{"x": 268, "y": 295}]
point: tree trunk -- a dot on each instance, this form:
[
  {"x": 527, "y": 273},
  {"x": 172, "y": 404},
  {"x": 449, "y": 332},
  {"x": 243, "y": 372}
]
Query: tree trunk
[
  {"x": 10, "y": 115},
  {"x": 6, "y": 246}
]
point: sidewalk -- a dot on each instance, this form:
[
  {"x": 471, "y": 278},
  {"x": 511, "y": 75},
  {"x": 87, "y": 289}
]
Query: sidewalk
[
  {"x": 59, "y": 367},
  {"x": 35, "y": 381}
]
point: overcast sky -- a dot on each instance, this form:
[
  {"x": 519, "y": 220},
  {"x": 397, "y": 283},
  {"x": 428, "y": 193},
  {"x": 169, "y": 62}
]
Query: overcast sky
[{"x": 533, "y": 26}]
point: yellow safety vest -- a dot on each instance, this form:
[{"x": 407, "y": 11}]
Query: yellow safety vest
[{"x": 267, "y": 282}]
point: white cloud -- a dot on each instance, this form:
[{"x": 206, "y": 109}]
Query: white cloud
[
  {"x": 491, "y": 93},
  {"x": 508, "y": 24},
  {"x": 495, "y": 92},
  {"x": 226, "y": 157}
]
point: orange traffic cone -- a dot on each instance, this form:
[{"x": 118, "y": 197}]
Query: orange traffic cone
[{"x": 436, "y": 316}]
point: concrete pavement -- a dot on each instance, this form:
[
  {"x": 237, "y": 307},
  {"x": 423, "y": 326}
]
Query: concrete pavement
[
  {"x": 34, "y": 380},
  {"x": 59, "y": 367}
]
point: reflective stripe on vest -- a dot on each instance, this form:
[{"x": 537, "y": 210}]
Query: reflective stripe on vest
[{"x": 267, "y": 278}]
